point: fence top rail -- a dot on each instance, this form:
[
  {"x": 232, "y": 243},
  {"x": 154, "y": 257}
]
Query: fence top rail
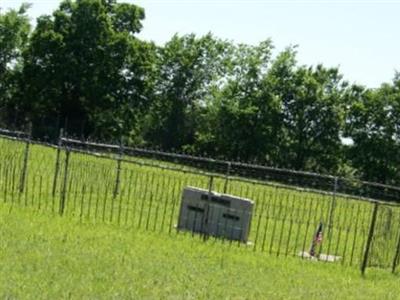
[
  {"x": 194, "y": 158},
  {"x": 11, "y": 133},
  {"x": 86, "y": 143},
  {"x": 27, "y": 139},
  {"x": 240, "y": 179},
  {"x": 230, "y": 163},
  {"x": 15, "y": 135}
]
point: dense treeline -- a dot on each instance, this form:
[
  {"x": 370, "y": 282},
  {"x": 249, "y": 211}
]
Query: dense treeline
[{"x": 202, "y": 95}]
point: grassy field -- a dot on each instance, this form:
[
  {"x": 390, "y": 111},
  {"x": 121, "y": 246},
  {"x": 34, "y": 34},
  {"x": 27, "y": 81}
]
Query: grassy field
[
  {"x": 148, "y": 198},
  {"x": 49, "y": 257}
]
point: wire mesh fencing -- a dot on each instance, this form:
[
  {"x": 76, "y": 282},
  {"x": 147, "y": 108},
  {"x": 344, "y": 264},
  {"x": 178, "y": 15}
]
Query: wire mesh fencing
[{"x": 114, "y": 188}]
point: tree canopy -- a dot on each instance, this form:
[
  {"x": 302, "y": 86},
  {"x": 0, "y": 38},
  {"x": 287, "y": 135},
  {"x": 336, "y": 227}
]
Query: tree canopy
[
  {"x": 14, "y": 35},
  {"x": 84, "y": 68}
]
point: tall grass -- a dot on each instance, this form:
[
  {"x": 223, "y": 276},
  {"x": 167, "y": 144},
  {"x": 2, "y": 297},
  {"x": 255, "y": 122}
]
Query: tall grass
[
  {"x": 48, "y": 257},
  {"x": 148, "y": 197}
]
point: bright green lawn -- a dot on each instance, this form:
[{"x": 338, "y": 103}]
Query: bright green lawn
[
  {"x": 284, "y": 220},
  {"x": 48, "y": 257}
]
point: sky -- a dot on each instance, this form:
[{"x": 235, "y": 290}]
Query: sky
[{"x": 361, "y": 37}]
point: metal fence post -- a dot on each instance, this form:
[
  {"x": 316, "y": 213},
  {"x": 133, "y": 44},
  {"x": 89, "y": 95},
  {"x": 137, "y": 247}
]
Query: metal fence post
[
  {"x": 207, "y": 209},
  {"x": 228, "y": 170},
  {"x": 118, "y": 176},
  {"x": 25, "y": 162},
  {"x": 396, "y": 256},
  {"x": 332, "y": 213},
  {"x": 333, "y": 203},
  {"x": 369, "y": 239},
  {"x": 57, "y": 167},
  {"x": 65, "y": 181}
]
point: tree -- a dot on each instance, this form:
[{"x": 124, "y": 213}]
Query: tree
[
  {"x": 241, "y": 118},
  {"x": 313, "y": 120},
  {"x": 373, "y": 125},
  {"x": 85, "y": 64},
  {"x": 188, "y": 69},
  {"x": 208, "y": 96},
  {"x": 312, "y": 114},
  {"x": 14, "y": 33}
]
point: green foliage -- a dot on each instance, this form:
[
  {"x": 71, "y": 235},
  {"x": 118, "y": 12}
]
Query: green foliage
[
  {"x": 14, "y": 32},
  {"x": 85, "y": 65},
  {"x": 84, "y": 68},
  {"x": 373, "y": 124},
  {"x": 276, "y": 112},
  {"x": 312, "y": 120},
  {"x": 241, "y": 119},
  {"x": 188, "y": 69}
]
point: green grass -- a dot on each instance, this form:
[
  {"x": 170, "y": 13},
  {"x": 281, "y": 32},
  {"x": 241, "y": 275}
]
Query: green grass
[
  {"x": 283, "y": 224},
  {"x": 50, "y": 257}
]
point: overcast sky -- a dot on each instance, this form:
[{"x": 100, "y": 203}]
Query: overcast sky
[{"x": 362, "y": 38}]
